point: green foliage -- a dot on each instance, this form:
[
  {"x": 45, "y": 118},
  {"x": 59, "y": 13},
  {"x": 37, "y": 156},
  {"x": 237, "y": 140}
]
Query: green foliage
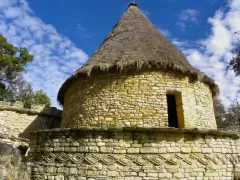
[
  {"x": 26, "y": 95},
  {"x": 229, "y": 118},
  {"x": 12, "y": 62},
  {"x": 40, "y": 97},
  {"x": 233, "y": 116},
  {"x": 24, "y": 92},
  {"x": 219, "y": 112},
  {"x": 12, "y": 86},
  {"x": 234, "y": 63}
]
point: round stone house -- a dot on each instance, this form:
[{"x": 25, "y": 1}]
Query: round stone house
[
  {"x": 137, "y": 78},
  {"x": 137, "y": 110}
]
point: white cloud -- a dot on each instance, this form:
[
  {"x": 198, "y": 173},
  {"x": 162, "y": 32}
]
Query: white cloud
[
  {"x": 145, "y": 12},
  {"x": 55, "y": 56},
  {"x": 83, "y": 33},
  {"x": 220, "y": 40},
  {"x": 4, "y": 3},
  {"x": 165, "y": 32},
  {"x": 212, "y": 53},
  {"x": 13, "y": 12},
  {"x": 186, "y": 17},
  {"x": 178, "y": 43}
]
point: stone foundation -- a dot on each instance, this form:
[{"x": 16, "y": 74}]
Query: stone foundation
[{"x": 134, "y": 154}]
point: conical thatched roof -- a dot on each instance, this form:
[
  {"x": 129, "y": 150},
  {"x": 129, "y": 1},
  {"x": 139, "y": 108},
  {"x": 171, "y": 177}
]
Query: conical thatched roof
[{"x": 135, "y": 42}]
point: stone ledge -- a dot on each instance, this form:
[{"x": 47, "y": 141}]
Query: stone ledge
[
  {"x": 13, "y": 140},
  {"x": 34, "y": 110},
  {"x": 168, "y": 130}
]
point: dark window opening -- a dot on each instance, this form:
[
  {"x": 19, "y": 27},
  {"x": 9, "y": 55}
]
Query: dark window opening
[
  {"x": 23, "y": 150},
  {"x": 172, "y": 111}
]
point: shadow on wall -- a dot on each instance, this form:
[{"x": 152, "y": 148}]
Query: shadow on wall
[
  {"x": 18, "y": 120},
  {"x": 47, "y": 118}
]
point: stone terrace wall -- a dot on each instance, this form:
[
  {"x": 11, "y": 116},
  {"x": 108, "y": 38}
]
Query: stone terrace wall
[
  {"x": 137, "y": 100},
  {"x": 134, "y": 154},
  {"x": 15, "y": 120}
]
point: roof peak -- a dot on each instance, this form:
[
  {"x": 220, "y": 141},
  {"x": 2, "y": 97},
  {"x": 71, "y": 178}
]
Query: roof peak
[
  {"x": 135, "y": 44},
  {"x": 133, "y": 3}
]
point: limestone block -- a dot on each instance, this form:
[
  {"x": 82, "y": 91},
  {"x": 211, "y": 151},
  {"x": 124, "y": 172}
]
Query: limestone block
[
  {"x": 185, "y": 150},
  {"x": 59, "y": 177},
  {"x": 73, "y": 171},
  {"x": 112, "y": 173},
  {"x": 148, "y": 150},
  {"x": 133, "y": 150},
  {"x": 207, "y": 150},
  {"x": 173, "y": 149},
  {"x": 162, "y": 150}
]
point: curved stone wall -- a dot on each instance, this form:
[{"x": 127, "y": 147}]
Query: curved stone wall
[
  {"x": 138, "y": 100},
  {"x": 134, "y": 154}
]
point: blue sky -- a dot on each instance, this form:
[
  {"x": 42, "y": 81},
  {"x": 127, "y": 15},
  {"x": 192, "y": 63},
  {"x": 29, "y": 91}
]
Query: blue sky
[
  {"x": 87, "y": 22},
  {"x": 62, "y": 34}
]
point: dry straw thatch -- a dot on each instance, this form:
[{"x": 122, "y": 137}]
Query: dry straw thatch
[{"x": 135, "y": 42}]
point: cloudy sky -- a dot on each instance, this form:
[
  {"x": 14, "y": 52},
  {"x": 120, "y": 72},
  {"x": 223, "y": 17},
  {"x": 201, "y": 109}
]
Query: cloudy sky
[{"x": 62, "y": 34}]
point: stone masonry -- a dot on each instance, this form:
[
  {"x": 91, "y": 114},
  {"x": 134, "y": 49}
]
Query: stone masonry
[
  {"x": 136, "y": 100},
  {"x": 17, "y": 121},
  {"x": 16, "y": 124},
  {"x": 134, "y": 154},
  {"x": 136, "y": 110},
  {"x": 12, "y": 166}
]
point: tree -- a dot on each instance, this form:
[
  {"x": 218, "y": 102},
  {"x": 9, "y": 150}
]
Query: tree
[
  {"x": 228, "y": 119},
  {"x": 12, "y": 62},
  {"x": 234, "y": 63},
  {"x": 233, "y": 116},
  {"x": 220, "y": 113},
  {"x": 40, "y": 97},
  {"x": 26, "y": 95},
  {"x": 12, "y": 66},
  {"x": 24, "y": 92}
]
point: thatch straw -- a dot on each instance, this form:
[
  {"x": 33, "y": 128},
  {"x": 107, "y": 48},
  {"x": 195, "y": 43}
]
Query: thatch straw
[{"x": 135, "y": 42}]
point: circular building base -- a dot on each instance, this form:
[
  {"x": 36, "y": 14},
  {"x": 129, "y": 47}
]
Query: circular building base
[{"x": 134, "y": 153}]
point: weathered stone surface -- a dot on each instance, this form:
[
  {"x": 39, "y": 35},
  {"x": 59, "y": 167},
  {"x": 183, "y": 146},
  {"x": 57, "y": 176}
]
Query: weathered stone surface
[
  {"x": 11, "y": 166},
  {"x": 117, "y": 139},
  {"x": 17, "y": 121},
  {"x": 5, "y": 149},
  {"x": 137, "y": 100},
  {"x": 136, "y": 154}
]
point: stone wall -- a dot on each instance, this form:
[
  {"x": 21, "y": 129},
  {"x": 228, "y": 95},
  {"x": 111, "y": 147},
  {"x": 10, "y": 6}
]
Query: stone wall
[
  {"x": 136, "y": 100},
  {"x": 11, "y": 165},
  {"x": 12, "y": 155},
  {"x": 17, "y": 121},
  {"x": 134, "y": 154},
  {"x": 16, "y": 124}
]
